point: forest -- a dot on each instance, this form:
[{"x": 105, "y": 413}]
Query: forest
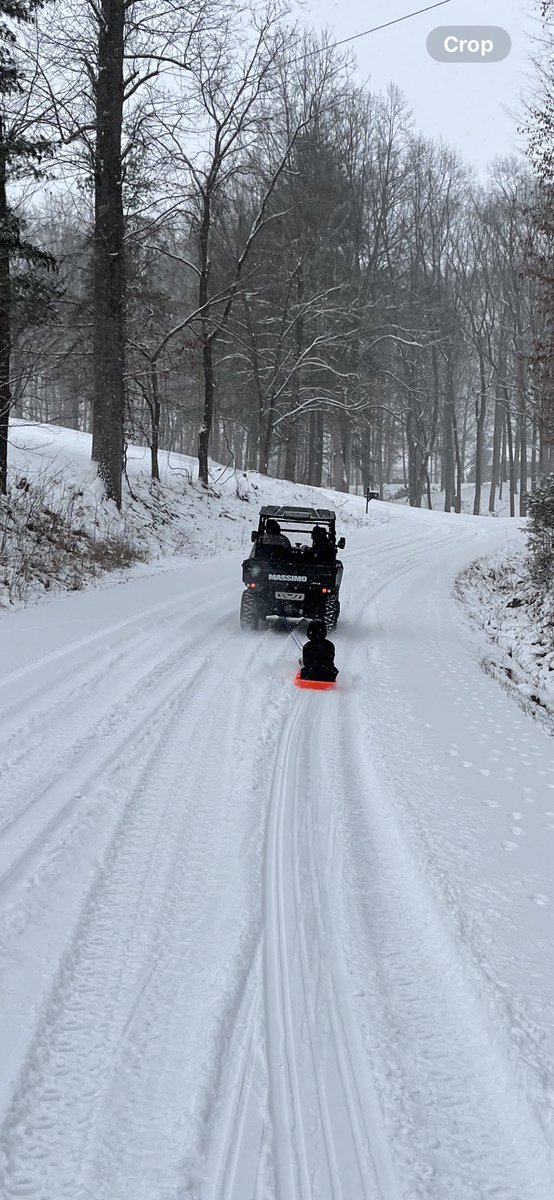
[{"x": 214, "y": 240}]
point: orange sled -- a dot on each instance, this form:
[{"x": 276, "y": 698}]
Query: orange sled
[{"x": 317, "y": 685}]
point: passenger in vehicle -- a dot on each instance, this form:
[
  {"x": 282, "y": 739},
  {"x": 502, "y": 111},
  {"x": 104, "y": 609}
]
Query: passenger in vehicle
[
  {"x": 322, "y": 549},
  {"x": 274, "y": 537}
]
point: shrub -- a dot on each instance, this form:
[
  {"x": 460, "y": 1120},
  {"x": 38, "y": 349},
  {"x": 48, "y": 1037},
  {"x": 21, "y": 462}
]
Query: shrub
[
  {"x": 540, "y": 537},
  {"x": 44, "y": 545}
]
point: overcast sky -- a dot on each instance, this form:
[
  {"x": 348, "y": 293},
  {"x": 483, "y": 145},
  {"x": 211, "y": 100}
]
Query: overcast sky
[{"x": 475, "y": 107}]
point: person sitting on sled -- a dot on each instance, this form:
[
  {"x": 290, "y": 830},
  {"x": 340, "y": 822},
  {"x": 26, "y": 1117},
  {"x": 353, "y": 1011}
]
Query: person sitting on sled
[{"x": 318, "y": 655}]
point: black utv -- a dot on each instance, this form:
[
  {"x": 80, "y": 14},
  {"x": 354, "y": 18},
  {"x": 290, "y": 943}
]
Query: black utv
[{"x": 293, "y": 569}]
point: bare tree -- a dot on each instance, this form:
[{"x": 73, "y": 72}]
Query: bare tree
[{"x": 541, "y": 265}]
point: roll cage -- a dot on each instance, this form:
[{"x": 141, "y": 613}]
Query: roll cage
[{"x": 297, "y": 520}]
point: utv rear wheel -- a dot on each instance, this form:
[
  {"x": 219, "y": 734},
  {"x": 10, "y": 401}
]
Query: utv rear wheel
[
  {"x": 331, "y": 612},
  {"x": 249, "y": 615}
]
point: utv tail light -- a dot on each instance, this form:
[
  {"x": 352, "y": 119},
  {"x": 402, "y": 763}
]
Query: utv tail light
[
  {"x": 252, "y": 585},
  {"x": 325, "y": 589}
]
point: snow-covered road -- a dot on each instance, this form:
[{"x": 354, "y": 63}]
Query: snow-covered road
[{"x": 263, "y": 944}]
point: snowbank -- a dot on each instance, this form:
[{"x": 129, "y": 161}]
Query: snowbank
[{"x": 500, "y": 599}]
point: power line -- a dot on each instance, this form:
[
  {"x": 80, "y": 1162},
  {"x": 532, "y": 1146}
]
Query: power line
[{"x": 365, "y": 32}]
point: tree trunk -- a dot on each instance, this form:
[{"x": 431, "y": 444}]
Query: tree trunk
[
  {"x": 412, "y": 466},
  {"x": 280, "y": 467},
  {"x": 346, "y": 440},
  {"x": 516, "y": 455},
  {"x": 338, "y": 473},
  {"x": 496, "y": 448},
  {"x": 296, "y": 388},
  {"x": 448, "y": 451},
  {"x": 455, "y": 461},
  {"x": 291, "y": 453},
  {"x": 267, "y": 440},
  {"x": 253, "y": 444},
  {"x": 154, "y": 423},
  {"x": 480, "y": 414},
  {"x": 315, "y": 449},
  {"x": 207, "y": 416},
  {"x": 503, "y": 464},
  {"x": 458, "y": 493},
  {"x": 389, "y": 452},
  {"x": 546, "y": 458},
  {"x": 380, "y": 480},
  {"x": 511, "y": 462},
  {"x": 108, "y": 266},
  {"x": 215, "y": 438},
  {"x": 534, "y": 453},
  {"x": 5, "y": 325},
  {"x": 366, "y": 456},
  {"x": 523, "y": 460},
  {"x": 206, "y": 341},
  {"x": 429, "y": 439}
]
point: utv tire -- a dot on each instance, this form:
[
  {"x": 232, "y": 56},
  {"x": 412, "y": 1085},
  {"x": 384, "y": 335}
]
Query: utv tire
[
  {"x": 249, "y": 615},
  {"x": 331, "y": 612}
]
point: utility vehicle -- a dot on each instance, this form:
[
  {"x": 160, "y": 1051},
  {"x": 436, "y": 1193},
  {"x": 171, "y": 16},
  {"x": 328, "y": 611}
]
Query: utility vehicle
[{"x": 294, "y": 580}]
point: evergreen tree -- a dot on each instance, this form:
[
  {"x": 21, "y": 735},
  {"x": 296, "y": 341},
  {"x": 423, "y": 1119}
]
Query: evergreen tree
[
  {"x": 540, "y": 535},
  {"x": 19, "y": 154}
]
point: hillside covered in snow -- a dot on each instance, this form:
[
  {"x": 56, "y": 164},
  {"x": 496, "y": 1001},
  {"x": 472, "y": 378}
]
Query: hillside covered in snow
[
  {"x": 264, "y": 943},
  {"x": 60, "y": 533}
]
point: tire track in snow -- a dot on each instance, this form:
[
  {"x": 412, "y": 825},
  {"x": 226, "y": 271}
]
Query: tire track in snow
[
  {"x": 70, "y": 648},
  {"x": 72, "y": 734},
  {"x": 93, "y": 980},
  {"x": 69, "y": 1055},
  {"x": 332, "y": 1184},
  {"x": 323, "y": 1145},
  {"x": 237, "y": 1173},
  {"x": 480, "y": 1125},
  {"x": 292, "y": 1167},
  {"x": 242, "y": 1137},
  {"x": 484, "y": 1129},
  {"x": 236, "y": 998},
  {"x": 362, "y": 1140},
  {"x": 29, "y": 882},
  {"x": 122, "y": 679},
  {"x": 37, "y": 1100},
  {"x": 91, "y": 756}
]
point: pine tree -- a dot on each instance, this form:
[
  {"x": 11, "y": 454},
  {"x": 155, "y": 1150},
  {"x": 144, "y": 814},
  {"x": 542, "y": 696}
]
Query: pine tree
[
  {"x": 540, "y": 535},
  {"x": 19, "y": 153}
]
